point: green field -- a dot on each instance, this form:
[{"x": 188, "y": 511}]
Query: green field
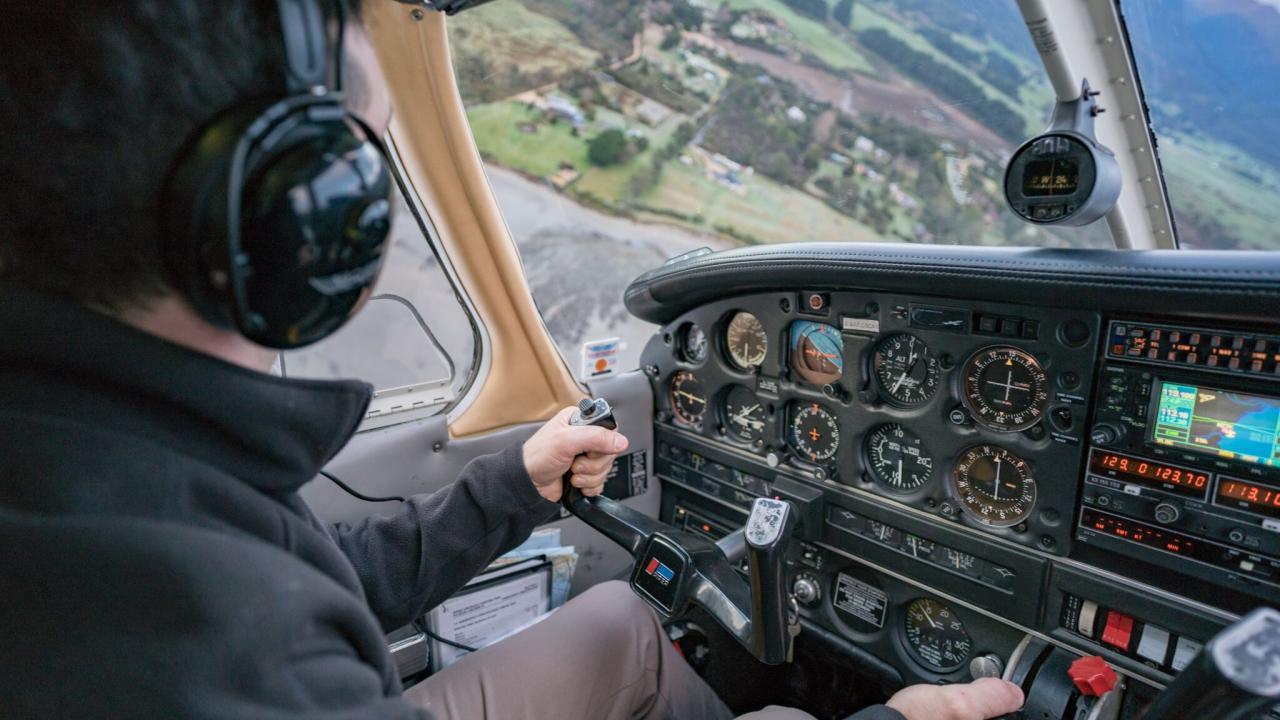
[
  {"x": 497, "y": 133},
  {"x": 523, "y": 39},
  {"x": 812, "y": 36},
  {"x": 768, "y": 212},
  {"x": 865, "y": 18},
  {"x": 1219, "y": 181}
]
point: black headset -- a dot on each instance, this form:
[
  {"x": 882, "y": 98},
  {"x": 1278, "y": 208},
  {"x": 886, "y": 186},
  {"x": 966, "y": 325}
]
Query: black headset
[{"x": 276, "y": 216}]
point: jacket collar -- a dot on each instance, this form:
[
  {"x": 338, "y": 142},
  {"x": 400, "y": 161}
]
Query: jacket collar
[{"x": 273, "y": 433}]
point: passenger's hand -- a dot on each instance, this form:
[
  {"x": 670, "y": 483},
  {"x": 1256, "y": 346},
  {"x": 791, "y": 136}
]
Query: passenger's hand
[
  {"x": 554, "y": 450},
  {"x": 978, "y": 700}
]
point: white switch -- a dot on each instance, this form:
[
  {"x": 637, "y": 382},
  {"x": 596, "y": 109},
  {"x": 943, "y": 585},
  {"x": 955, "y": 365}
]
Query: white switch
[
  {"x": 1154, "y": 644},
  {"x": 1185, "y": 650},
  {"x": 1088, "y": 614}
]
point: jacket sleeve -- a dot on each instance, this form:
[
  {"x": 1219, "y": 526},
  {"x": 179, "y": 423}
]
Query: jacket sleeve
[{"x": 416, "y": 558}]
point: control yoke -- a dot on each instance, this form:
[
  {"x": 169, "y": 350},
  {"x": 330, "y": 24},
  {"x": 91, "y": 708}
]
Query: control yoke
[
  {"x": 1236, "y": 675},
  {"x": 675, "y": 569}
]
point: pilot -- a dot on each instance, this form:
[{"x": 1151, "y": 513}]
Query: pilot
[{"x": 157, "y": 559}]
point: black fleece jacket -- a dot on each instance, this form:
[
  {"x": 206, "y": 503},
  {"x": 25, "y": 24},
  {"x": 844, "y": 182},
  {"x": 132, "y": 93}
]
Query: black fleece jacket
[{"x": 156, "y": 559}]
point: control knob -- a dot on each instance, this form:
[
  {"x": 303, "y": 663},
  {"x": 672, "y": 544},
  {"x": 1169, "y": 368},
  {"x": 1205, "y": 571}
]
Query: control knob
[
  {"x": 805, "y": 589},
  {"x": 1167, "y": 512},
  {"x": 1105, "y": 434},
  {"x": 985, "y": 666}
]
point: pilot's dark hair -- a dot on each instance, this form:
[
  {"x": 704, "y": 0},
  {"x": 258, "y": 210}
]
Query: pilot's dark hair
[{"x": 96, "y": 101}]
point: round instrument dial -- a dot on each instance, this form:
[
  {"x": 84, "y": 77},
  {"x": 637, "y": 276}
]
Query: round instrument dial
[
  {"x": 936, "y": 636},
  {"x": 1005, "y": 388},
  {"x": 817, "y": 352},
  {"x": 693, "y": 343},
  {"x": 744, "y": 415},
  {"x": 815, "y": 434},
  {"x": 746, "y": 341},
  {"x": 994, "y": 486},
  {"x": 906, "y": 370},
  {"x": 688, "y": 400},
  {"x": 897, "y": 458}
]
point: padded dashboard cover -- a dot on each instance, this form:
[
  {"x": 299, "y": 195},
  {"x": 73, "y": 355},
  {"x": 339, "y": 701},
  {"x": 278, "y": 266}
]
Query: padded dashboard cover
[{"x": 1226, "y": 284}]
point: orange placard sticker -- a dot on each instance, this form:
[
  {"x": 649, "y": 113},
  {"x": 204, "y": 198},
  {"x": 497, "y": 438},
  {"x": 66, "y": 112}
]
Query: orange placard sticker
[{"x": 600, "y": 357}]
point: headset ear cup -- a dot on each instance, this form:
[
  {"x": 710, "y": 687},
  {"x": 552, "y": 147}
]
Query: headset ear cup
[
  {"x": 314, "y": 228},
  {"x": 193, "y": 242}
]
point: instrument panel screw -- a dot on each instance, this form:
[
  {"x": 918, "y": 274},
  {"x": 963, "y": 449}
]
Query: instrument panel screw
[
  {"x": 872, "y": 309},
  {"x": 785, "y": 305},
  {"x": 651, "y": 370},
  {"x": 437, "y": 446},
  {"x": 1047, "y": 542}
]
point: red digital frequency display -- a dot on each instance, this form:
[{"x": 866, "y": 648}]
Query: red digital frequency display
[
  {"x": 1149, "y": 472},
  {"x": 1153, "y": 537},
  {"x": 1248, "y": 496}
]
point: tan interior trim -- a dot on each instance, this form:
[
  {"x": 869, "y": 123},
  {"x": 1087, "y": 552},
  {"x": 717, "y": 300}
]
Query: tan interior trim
[{"x": 527, "y": 378}]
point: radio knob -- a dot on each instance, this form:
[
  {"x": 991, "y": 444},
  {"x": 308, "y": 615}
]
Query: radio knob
[
  {"x": 805, "y": 589},
  {"x": 1167, "y": 513},
  {"x": 1105, "y": 434}
]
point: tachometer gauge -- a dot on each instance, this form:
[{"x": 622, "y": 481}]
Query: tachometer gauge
[
  {"x": 814, "y": 434},
  {"x": 817, "y": 352},
  {"x": 994, "y": 486},
  {"x": 746, "y": 341},
  {"x": 1005, "y": 388},
  {"x": 688, "y": 401},
  {"x": 693, "y": 343},
  {"x": 907, "y": 372},
  {"x": 936, "y": 636},
  {"x": 897, "y": 458},
  {"x": 744, "y": 415}
]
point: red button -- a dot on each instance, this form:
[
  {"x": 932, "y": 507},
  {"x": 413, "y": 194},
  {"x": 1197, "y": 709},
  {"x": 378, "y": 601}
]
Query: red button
[
  {"x": 1092, "y": 675},
  {"x": 1119, "y": 630}
]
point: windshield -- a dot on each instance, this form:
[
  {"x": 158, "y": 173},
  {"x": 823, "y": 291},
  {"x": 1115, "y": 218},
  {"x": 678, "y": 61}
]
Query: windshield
[
  {"x": 759, "y": 121},
  {"x": 1210, "y": 71}
]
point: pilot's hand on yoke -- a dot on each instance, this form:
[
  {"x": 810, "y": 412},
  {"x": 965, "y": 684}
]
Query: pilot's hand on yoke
[
  {"x": 555, "y": 450},
  {"x": 978, "y": 700}
]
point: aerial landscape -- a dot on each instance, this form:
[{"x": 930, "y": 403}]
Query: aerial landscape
[{"x": 652, "y": 128}]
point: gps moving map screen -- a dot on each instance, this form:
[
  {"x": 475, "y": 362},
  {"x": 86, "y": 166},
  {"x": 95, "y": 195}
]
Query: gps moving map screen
[{"x": 1217, "y": 422}]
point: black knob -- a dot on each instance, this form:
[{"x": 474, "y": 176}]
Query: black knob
[
  {"x": 1105, "y": 434},
  {"x": 1167, "y": 513}
]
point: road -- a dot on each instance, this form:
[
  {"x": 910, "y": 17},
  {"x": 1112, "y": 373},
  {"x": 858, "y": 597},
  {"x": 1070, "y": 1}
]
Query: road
[{"x": 578, "y": 262}]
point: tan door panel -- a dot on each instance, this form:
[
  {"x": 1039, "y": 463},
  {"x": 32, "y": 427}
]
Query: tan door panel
[{"x": 527, "y": 379}]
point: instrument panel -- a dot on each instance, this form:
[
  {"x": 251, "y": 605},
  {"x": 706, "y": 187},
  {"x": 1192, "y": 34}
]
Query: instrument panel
[
  {"x": 971, "y": 413},
  {"x": 971, "y": 472}
]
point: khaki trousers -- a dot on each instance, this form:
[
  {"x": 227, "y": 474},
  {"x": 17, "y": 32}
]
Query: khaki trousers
[{"x": 603, "y": 656}]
